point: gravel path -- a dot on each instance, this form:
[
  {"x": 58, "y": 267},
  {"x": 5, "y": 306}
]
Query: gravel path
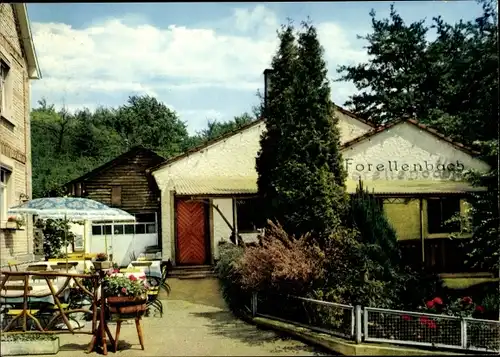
[{"x": 191, "y": 329}]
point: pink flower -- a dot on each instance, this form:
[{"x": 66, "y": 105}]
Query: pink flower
[
  {"x": 467, "y": 300},
  {"x": 132, "y": 277},
  {"x": 437, "y": 301},
  {"x": 480, "y": 309},
  {"x": 124, "y": 290},
  {"x": 143, "y": 277},
  {"x": 406, "y": 317},
  {"x": 430, "y": 304}
]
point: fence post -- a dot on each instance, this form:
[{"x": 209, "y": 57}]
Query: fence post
[
  {"x": 359, "y": 331},
  {"x": 254, "y": 304},
  {"x": 463, "y": 333}
]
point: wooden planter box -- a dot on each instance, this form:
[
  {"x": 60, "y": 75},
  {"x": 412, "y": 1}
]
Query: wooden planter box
[
  {"x": 26, "y": 348},
  {"x": 127, "y": 305},
  {"x": 102, "y": 265},
  {"x": 10, "y": 225}
]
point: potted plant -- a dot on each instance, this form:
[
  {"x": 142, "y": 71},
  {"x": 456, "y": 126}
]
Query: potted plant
[
  {"x": 125, "y": 295},
  {"x": 101, "y": 262},
  {"x": 14, "y": 223}
]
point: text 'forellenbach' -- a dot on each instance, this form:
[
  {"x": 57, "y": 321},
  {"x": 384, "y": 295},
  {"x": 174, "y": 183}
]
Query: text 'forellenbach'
[{"x": 394, "y": 165}]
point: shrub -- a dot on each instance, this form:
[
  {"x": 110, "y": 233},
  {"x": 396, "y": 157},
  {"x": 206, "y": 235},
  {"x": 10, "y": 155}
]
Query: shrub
[
  {"x": 281, "y": 263},
  {"x": 56, "y": 236},
  {"x": 351, "y": 276},
  {"x": 237, "y": 299}
]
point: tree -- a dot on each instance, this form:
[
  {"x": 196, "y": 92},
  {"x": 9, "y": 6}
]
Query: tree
[
  {"x": 216, "y": 128},
  {"x": 300, "y": 172},
  {"x": 146, "y": 121},
  {"x": 450, "y": 83},
  {"x": 368, "y": 218}
]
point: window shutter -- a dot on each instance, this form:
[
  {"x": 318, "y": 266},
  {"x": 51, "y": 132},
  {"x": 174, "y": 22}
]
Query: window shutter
[{"x": 116, "y": 195}]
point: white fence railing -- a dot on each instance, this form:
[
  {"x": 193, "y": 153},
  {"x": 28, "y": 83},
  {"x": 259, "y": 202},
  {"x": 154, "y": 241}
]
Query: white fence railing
[{"x": 381, "y": 325}]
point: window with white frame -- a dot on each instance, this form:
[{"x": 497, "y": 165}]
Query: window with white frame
[
  {"x": 146, "y": 223},
  {"x": 4, "y": 192},
  {"x": 4, "y": 72}
]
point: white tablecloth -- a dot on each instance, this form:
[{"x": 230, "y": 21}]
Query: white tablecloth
[
  {"x": 40, "y": 291},
  {"x": 154, "y": 269}
]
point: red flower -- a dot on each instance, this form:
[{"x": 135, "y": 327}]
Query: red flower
[
  {"x": 480, "y": 309},
  {"x": 423, "y": 320},
  {"x": 430, "y": 304},
  {"x": 431, "y": 324},
  {"x": 437, "y": 301},
  {"x": 427, "y": 322},
  {"x": 132, "y": 277},
  {"x": 406, "y": 317},
  {"x": 467, "y": 300}
]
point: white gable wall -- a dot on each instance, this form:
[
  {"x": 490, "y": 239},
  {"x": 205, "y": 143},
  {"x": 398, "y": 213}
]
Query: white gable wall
[
  {"x": 233, "y": 156},
  {"x": 406, "y": 152}
]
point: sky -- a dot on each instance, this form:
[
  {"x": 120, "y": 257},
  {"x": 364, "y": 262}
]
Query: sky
[{"x": 203, "y": 60}]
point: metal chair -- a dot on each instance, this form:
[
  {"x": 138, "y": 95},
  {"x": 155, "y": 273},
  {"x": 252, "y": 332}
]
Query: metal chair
[{"x": 154, "y": 293}]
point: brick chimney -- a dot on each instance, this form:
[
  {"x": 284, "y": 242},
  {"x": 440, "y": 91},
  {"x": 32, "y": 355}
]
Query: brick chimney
[{"x": 267, "y": 81}]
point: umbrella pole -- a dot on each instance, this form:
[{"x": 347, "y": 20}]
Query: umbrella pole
[
  {"x": 84, "y": 240},
  {"x": 66, "y": 240}
]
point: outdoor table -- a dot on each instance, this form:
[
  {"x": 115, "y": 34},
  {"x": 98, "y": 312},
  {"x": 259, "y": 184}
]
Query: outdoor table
[
  {"x": 40, "y": 292},
  {"x": 150, "y": 267}
]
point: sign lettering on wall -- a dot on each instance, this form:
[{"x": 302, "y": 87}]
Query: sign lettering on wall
[{"x": 395, "y": 169}]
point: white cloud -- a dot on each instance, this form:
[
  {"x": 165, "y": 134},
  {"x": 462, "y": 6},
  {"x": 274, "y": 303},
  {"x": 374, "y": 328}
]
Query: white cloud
[{"x": 128, "y": 56}]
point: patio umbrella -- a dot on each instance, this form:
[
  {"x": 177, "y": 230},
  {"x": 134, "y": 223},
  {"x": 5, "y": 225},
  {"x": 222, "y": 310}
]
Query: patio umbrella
[{"x": 71, "y": 208}]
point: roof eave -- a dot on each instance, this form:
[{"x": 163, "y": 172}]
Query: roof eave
[{"x": 34, "y": 71}]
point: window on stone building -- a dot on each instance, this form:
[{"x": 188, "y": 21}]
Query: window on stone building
[
  {"x": 4, "y": 72},
  {"x": 4, "y": 192},
  {"x": 439, "y": 211}
]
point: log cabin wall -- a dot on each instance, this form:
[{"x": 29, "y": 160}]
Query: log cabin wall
[{"x": 123, "y": 183}]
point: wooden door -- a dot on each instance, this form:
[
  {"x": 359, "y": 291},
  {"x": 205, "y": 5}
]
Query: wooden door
[{"x": 191, "y": 232}]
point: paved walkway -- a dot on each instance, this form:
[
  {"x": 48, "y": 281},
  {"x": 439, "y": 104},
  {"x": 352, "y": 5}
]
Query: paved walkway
[{"x": 194, "y": 328}]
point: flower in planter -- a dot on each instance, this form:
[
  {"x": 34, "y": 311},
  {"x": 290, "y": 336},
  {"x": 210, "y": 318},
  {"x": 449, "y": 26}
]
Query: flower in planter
[
  {"x": 115, "y": 285},
  {"x": 480, "y": 309},
  {"x": 101, "y": 257},
  {"x": 430, "y": 304}
]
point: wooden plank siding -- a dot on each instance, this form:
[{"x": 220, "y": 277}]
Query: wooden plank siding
[{"x": 127, "y": 173}]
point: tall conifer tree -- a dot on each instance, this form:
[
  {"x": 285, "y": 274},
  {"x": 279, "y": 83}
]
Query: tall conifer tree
[{"x": 301, "y": 177}]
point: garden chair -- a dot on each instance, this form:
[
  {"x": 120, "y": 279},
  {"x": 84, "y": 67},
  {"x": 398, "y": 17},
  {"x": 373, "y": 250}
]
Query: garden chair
[
  {"x": 154, "y": 293},
  {"x": 13, "y": 264},
  {"x": 165, "y": 270}
]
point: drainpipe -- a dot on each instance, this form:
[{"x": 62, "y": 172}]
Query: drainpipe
[
  {"x": 422, "y": 238},
  {"x": 28, "y": 162},
  {"x": 235, "y": 222}
]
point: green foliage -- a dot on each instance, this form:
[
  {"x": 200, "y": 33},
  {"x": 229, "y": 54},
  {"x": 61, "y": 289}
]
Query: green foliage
[
  {"x": 216, "y": 128},
  {"x": 301, "y": 177},
  {"x": 56, "y": 235},
  {"x": 68, "y": 145},
  {"x": 237, "y": 299},
  {"x": 367, "y": 216},
  {"x": 450, "y": 83}
]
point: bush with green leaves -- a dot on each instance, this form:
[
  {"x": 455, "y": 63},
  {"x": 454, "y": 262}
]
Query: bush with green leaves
[
  {"x": 236, "y": 297},
  {"x": 56, "y": 235}
]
